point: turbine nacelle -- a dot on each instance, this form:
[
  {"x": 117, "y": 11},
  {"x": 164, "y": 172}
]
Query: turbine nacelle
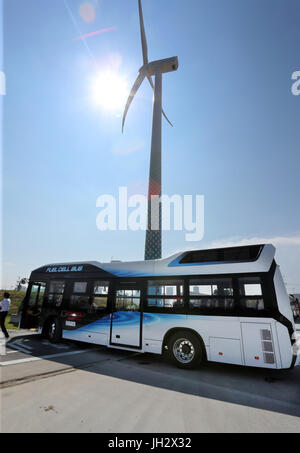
[
  {"x": 147, "y": 71},
  {"x": 159, "y": 66}
]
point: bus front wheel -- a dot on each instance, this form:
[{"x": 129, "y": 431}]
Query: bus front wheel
[
  {"x": 185, "y": 350},
  {"x": 54, "y": 330}
]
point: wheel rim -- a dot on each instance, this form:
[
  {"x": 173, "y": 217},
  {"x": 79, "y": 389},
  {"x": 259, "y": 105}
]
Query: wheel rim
[{"x": 184, "y": 350}]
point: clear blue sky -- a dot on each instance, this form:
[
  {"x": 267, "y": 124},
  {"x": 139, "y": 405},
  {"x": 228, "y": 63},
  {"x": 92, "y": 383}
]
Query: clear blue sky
[{"x": 236, "y": 128}]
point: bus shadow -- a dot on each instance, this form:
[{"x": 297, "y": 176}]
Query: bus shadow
[{"x": 265, "y": 389}]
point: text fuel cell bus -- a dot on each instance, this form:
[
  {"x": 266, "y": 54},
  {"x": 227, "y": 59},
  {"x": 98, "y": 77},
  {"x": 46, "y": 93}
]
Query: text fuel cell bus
[{"x": 225, "y": 305}]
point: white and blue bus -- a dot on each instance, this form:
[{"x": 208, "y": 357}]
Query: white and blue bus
[{"x": 225, "y": 305}]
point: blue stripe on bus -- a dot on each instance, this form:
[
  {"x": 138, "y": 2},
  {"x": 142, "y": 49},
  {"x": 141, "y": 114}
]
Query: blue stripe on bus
[{"x": 126, "y": 319}]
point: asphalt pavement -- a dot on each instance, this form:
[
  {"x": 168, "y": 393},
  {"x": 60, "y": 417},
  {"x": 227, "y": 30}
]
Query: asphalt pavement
[{"x": 75, "y": 387}]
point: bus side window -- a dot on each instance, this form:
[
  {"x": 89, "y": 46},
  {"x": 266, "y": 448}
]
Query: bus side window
[
  {"x": 56, "y": 291},
  {"x": 33, "y": 295},
  {"x": 79, "y": 299},
  {"x": 41, "y": 295},
  {"x": 100, "y": 295},
  {"x": 165, "y": 294},
  {"x": 250, "y": 292},
  {"x": 211, "y": 295}
]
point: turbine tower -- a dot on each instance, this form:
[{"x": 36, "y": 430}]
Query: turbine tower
[{"x": 156, "y": 69}]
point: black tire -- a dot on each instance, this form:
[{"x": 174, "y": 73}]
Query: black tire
[
  {"x": 53, "y": 330},
  {"x": 185, "y": 350}
]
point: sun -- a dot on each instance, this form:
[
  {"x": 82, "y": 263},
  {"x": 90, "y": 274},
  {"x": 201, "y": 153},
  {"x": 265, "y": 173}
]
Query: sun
[{"x": 109, "y": 91}]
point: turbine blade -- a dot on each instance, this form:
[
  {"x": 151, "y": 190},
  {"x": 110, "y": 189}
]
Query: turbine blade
[
  {"x": 152, "y": 86},
  {"x": 143, "y": 35},
  {"x": 134, "y": 89}
]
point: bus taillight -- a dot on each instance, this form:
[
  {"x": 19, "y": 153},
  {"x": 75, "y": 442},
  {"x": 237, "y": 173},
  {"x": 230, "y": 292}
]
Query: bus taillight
[{"x": 73, "y": 316}]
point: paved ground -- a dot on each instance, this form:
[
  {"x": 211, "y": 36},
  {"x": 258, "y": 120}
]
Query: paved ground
[{"x": 74, "y": 387}]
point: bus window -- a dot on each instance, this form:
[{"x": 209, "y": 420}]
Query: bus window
[
  {"x": 211, "y": 304},
  {"x": 31, "y": 306},
  {"x": 211, "y": 295},
  {"x": 250, "y": 286},
  {"x": 215, "y": 287},
  {"x": 33, "y": 295},
  {"x": 79, "y": 287},
  {"x": 100, "y": 295},
  {"x": 165, "y": 294},
  {"x": 250, "y": 291},
  {"x": 79, "y": 299},
  {"x": 41, "y": 295},
  {"x": 165, "y": 288},
  {"x": 128, "y": 300},
  {"x": 252, "y": 304},
  {"x": 101, "y": 288},
  {"x": 56, "y": 291}
]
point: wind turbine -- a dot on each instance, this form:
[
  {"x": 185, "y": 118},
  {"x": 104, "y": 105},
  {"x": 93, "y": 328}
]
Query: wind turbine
[{"x": 156, "y": 69}]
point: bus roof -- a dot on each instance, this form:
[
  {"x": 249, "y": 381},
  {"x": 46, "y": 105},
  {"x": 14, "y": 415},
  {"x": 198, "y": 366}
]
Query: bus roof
[{"x": 228, "y": 260}]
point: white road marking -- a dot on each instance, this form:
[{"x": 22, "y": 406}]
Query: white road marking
[
  {"x": 19, "y": 348},
  {"x": 45, "y": 357},
  {"x": 21, "y": 344}
]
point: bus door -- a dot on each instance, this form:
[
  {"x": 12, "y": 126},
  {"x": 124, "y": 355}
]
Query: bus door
[
  {"x": 32, "y": 305},
  {"x": 126, "y": 318}
]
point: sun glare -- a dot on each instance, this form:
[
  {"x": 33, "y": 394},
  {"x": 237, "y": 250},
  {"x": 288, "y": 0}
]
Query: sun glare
[{"x": 109, "y": 91}]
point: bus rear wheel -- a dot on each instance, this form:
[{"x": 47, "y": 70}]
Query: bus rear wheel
[
  {"x": 185, "y": 350},
  {"x": 54, "y": 330}
]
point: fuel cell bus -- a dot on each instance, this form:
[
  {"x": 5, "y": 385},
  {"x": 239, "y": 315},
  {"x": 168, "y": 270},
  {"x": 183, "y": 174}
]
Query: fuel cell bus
[{"x": 225, "y": 305}]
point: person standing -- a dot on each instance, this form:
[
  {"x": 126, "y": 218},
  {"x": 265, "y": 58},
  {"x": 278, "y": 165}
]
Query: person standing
[{"x": 4, "y": 307}]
